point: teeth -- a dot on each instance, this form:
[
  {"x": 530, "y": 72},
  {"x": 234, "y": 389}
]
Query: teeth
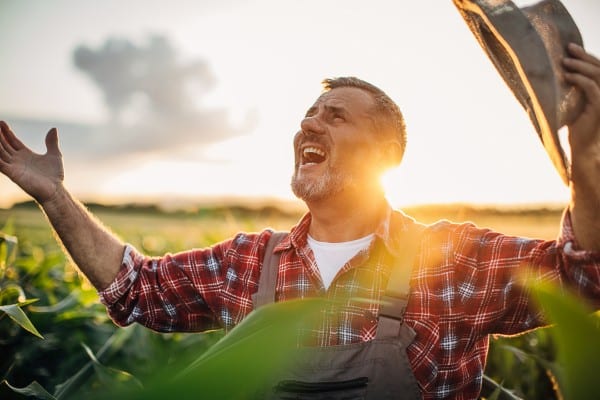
[{"x": 313, "y": 150}]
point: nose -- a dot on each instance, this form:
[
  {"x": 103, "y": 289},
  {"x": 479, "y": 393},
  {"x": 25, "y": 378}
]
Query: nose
[{"x": 312, "y": 125}]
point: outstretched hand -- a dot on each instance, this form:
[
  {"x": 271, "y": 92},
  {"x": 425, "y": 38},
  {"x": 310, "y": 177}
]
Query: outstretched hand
[{"x": 39, "y": 175}]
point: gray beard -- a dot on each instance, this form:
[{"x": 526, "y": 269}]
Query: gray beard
[{"x": 333, "y": 182}]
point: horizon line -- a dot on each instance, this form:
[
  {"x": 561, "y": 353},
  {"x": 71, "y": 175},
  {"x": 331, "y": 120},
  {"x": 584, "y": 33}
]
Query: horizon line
[{"x": 181, "y": 203}]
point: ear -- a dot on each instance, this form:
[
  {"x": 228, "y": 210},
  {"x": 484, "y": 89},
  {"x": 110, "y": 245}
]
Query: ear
[{"x": 391, "y": 153}]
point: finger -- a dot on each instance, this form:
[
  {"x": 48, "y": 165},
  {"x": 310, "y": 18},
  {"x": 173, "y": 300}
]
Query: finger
[
  {"x": 3, "y": 137},
  {"x": 5, "y": 145},
  {"x": 7, "y": 149},
  {"x": 12, "y": 140},
  {"x": 579, "y": 52},
  {"x": 582, "y": 67},
  {"x": 4, "y": 154},
  {"x": 590, "y": 88},
  {"x": 52, "y": 142}
]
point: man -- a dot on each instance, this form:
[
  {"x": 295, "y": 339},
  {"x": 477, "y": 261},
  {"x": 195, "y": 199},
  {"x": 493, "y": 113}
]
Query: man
[{"x": 464, "y": 281}]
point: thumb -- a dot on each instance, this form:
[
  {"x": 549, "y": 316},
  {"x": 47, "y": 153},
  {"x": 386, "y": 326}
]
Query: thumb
[{"x": 52, "y": 142}]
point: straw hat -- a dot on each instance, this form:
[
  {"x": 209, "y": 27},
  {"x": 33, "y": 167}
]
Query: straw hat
[{"x": 526, "y": 46}]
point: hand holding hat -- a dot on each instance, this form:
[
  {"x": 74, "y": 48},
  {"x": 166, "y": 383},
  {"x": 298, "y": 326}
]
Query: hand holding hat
[
  {"x": 583, "y": 71},
  {"x": 527, "y": 46}
]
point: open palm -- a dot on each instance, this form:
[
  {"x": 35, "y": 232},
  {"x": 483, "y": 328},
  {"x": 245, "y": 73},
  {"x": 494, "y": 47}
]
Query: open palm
[{"x": 37, "y": 174}]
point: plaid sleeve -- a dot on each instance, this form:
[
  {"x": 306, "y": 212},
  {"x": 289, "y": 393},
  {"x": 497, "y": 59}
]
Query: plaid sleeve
[
  {"x": 125, "y": 277},
  {"x": 582, "y": 266},
  {"x": 468, "y": 285},
  {"x": 490, "y": 268},
  {"x": 190, "y": 291},
  {"x": 176, "y": 292}
]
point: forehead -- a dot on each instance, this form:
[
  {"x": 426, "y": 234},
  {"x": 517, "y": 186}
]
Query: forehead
[{"x": 354, "y": 100}]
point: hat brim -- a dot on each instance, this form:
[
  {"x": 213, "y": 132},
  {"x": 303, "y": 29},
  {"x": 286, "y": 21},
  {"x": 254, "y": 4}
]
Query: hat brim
[{"x": 519, "y": 54}]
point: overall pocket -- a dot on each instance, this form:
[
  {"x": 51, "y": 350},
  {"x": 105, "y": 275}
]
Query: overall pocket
[{"x": 351, "y": 389}]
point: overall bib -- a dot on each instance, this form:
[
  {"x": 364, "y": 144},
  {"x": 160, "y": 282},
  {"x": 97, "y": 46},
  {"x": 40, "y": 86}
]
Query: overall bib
[{"x": 375, "y": 370}]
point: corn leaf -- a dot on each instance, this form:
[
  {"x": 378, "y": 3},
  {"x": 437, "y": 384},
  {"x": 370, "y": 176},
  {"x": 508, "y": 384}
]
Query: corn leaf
[
  {"x": 499, "y": 391},
  {"x": 577, "y": 335},
  {"x": 267, "y": 335},
  {"x": 110, "y": 376},
  {"x": 33, "y": 389},
  {"x": 8, "y": 251},
  {"x": 15, "y": 312},
  {"x": 64, "y": 304},
  {"x": 114, "y": 344}
]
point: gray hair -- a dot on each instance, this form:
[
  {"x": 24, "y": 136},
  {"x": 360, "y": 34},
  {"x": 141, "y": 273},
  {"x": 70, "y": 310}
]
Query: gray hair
[{"x": 388, "y": 112}]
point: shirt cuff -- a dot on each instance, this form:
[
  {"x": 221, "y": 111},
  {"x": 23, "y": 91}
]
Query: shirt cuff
[
  {"x": 128, "y": 273},
  {"x": 568, "y": 241}
]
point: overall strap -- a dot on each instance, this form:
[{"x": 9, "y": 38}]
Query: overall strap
[
  {"x": 267, "y": 282},
  {"x": 395, "y": 298}
]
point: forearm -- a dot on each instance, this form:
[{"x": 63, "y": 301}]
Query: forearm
[
  {"x": 93, "y": 248},
  {"x": 583, "y": 71},
  {"x": 585, "y": 202}
]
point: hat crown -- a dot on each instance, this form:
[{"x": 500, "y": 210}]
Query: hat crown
[
  {"x": 556, "y": 28},
  {"x": 527, "y": 47}
]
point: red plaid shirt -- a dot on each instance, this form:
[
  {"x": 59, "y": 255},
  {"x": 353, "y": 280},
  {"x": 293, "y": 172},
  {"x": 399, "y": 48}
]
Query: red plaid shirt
[{"x": 463, "y": 288}]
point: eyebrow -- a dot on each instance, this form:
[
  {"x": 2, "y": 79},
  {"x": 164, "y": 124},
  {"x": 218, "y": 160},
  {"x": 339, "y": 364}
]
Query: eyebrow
[
  {"x": 310, "y": 111},
  {"x": 329, "y": 108}
]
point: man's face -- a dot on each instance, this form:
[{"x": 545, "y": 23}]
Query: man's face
[{"x": 334, "y": 149}]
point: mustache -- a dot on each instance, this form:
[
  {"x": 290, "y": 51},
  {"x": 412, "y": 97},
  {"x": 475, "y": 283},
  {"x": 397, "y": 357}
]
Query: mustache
[{"x": 312, "y": 138}]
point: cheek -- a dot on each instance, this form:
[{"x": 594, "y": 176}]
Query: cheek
[
  {"x": 356, "y": 150},
  {"x": 297, "y": 138},
  {"x": 295, "y": 143},
  {"x": 363, "y": 160}
]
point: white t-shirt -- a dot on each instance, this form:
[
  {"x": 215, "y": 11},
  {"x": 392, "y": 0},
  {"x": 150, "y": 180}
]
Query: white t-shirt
[{"x": 331, "y": 257}]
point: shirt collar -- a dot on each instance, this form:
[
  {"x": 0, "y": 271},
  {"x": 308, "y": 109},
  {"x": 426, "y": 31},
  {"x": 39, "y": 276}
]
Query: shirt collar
[{"x": 390, "y": 231}]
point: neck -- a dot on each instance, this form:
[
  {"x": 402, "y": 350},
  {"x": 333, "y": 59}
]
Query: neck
[{"x": 346, "y": 218}]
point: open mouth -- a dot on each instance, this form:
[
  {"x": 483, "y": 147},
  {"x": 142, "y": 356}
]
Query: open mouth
[{"x": 313, "y": 155}]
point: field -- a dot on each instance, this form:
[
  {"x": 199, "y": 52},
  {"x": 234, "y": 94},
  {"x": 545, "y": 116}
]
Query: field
[
  {"x": 161, "y": 231},
  {"x": 74, "y": 324}
]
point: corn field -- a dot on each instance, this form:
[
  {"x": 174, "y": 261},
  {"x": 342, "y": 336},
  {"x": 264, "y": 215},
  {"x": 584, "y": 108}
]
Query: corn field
[{"x": 56, "y": 341}]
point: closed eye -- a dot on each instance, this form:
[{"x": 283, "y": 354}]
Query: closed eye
[
  {"x": 337, "y": 114},
  {"x": 333, "y": 113}
]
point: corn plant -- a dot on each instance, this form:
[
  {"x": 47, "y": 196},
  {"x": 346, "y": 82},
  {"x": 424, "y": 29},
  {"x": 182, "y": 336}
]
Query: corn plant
[
  {"x": 12, "y": 296},
  {"x": 84, "y": 355}
]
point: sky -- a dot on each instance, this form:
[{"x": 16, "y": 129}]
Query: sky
[{"x": 185, "y": 100}]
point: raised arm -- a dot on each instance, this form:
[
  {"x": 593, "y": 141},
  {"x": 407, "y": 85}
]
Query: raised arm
[
  {"x": 93, "y": 248},
  {"x": 584, "y": 139}
]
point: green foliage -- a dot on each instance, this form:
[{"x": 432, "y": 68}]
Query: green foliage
[
  {"x": 521, "y": 363},
  {"x": 229, "y": 368},
  {"x": 83, "y": 355},
  {"x": 34, "y": 389},
  {"x": 81, "y": 352},
  {"x": 561, "y": 361},
  {"x": 9, "y": 289},
  {"x": 15, "y": 312},
  {"x": 577, "y": 336}
]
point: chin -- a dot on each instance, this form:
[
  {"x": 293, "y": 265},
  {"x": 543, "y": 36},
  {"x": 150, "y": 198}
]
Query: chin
[{"x": 321, "y": 188}]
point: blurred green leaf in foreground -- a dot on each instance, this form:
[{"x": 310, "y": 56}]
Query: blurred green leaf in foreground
[
  {"x": 576, "y": 334},
  {"x": 240, "y": 362}
]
